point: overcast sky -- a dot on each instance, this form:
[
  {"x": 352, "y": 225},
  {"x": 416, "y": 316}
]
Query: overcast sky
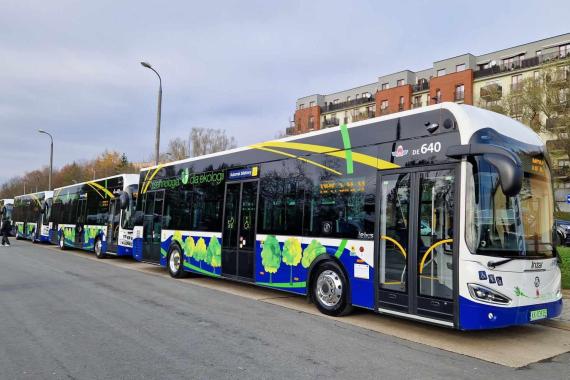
[{"x": 72, "y": 67}]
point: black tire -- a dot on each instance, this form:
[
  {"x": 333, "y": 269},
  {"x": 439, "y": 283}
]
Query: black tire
[
  {"x": 328, "y": 276},
  {"x": 62, "y": 242},
  {"x": 175, "y": 262},
  {"x": 98, "y": 249}
]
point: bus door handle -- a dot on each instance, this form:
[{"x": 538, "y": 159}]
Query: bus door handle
[
  {"x": 435, "y": 303},
  {"x": 392, "y": 296}
]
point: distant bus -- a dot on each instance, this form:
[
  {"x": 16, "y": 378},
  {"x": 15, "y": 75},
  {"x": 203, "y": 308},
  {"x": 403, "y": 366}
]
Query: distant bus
[
  {"x": 30, "y": 216},
  {"x": 6, "y": 206},
  {"x": 95, "y": 215},
  {"x": 442, "y": 214}
]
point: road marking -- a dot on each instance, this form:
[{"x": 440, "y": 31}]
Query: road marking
[{"x": 513, "y": 347}]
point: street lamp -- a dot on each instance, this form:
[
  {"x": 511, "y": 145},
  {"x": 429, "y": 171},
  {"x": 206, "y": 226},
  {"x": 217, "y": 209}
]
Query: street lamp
[
  {"x": 157, "y": 138},
  {"x": 50, "y": 156}
]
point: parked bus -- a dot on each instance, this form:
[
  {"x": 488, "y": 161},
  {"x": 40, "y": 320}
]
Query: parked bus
[
  {"x": 442, "y": 214},
  {"x": 30, "y": 215},
  {"x": 95, "y": 215},
  {"x": 6, "y": 206}
]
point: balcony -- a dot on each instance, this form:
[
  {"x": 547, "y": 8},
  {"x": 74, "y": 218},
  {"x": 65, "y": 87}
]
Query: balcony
[
  {"x": 523, "y": 64},
  {"x": 332, "y": 122},
  {"x": 363, "y": 116},
  {"x": 348, "y": 104},
  {"x": 384, "y": 111},
  {"x": 417, "y": 104},
  {"x": 423, "y": 86},
  {"x": 492, "y": 92}
]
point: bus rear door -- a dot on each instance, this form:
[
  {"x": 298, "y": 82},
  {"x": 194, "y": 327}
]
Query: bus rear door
[{"x": 416, "y": 256}]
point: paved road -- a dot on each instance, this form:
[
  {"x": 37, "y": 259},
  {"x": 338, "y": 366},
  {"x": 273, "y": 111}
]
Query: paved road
[{"x": 65, "y": 317}]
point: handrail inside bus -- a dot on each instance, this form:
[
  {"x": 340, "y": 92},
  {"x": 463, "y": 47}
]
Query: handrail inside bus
[
  {"x": 402, "y": 250},
  {"x": 431, "y": 249}
]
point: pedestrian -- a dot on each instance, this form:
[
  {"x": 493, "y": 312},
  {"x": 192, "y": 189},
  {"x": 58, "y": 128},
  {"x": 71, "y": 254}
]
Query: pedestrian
[{"x": 6, "y": 230}]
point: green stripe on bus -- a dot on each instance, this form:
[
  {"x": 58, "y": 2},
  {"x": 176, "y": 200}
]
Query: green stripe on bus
[
  {"x": 347, "y": 148},
  {"x": 285, "y": 285},
  {"x": 163, "y": 252},
  {"x": 340, "y": 249},
  {"x": 199, "y": 270}
]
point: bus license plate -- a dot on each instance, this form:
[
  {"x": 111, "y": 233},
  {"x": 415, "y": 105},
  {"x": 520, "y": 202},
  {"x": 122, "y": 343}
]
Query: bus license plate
[{"x": 538, "y": 314}]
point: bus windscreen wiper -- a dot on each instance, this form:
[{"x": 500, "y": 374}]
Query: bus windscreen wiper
[{"x": 494, "y": 264}]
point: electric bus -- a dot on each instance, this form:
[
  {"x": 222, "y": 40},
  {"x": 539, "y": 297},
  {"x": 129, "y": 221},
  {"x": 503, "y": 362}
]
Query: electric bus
[
  {"x": 95, "y": 215},
  {"x": 6, "y": 207},
  {"x": 30, "y": 216},
  {"x": 442, "y": 214}
]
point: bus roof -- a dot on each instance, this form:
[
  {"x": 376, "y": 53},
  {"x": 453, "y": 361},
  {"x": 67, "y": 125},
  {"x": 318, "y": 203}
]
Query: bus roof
[
  {"x": 47, "y": 193},
  {"x": 133, "y": 178},
  {"x": 469, "y": 118}
]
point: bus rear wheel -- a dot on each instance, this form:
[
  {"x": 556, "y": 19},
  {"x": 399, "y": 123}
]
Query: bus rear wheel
[
  {"x": 98, "y": 248},
  {"x": 329, "y": 290},
  {"x": 175, "y": 262}
]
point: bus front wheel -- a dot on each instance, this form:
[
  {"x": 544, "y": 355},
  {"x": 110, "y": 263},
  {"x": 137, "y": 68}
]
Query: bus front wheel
[
  {"x": 98, "y": 248},
  {"x": 175, "y": 262},
  {"x": 329, "y": 290}
]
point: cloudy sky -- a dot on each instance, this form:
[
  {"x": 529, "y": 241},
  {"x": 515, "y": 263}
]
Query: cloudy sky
[{"x": 72, "y": 67}]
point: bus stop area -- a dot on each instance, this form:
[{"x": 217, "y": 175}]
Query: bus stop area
[{"x": 513, "y": 347}]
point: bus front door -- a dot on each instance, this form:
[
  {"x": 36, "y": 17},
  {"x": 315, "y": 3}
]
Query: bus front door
[
  {"x": 113, "y": 225},
  {"x": 238, "y": 236},
  {"x": 153, "y": 205},
  {"x": 415, "y": 255}
]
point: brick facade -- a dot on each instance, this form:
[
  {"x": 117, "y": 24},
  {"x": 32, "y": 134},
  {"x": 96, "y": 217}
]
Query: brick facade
[
  {"x": 393, "y": 95},
  {"x": 303, "y": 116},
  {"x": 447, "y": 84}
]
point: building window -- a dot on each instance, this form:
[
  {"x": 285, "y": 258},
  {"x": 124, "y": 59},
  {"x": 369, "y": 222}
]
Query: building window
[
  {"x": 357, "y": 96},
  {"x": 538, "y": 53},
  {"x": 401, "y": 104},
  {"x": 345, "y": 121},
  {"x": 459, "y": 92},
  {"x": 301, "y": 106},
  {"x": 516, "y": 82},
  {"x": 348, "y": 98},
  {"x": 311, "y": 104},
  {"x": 400, "y": 82},
  {"x": 437, "y": 98},
  {"x": 459, "y": 68},
  {"x": 564, "y": 50},
  {"x": 366, "y": 95},
  {"x": 335, "y": 101},
  {"x": 564, "y": 163},
  {"x": 417, "y": 101},
  {"x": 311, "y": 123},
  {"x": 384, "y": 107},
  {"x": 385, "y": 86},
  {"x": 440, "y": 72},
  {"x": 513, "y": 62}
]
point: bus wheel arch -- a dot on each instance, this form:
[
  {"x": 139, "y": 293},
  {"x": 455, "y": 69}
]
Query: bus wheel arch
[
  {"x": 330, "y": 271},
  {"x": 175, "y": 261}
]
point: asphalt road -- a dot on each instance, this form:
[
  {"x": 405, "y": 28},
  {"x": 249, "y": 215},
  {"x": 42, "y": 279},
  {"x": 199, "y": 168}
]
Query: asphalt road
[{"x": 63, "y": 316}]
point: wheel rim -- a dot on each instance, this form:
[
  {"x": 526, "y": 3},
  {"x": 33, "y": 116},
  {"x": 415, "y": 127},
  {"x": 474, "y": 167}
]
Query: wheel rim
[
  {"x": 174, "y": 261},
  {"x": 329, "y": 288},
  {"x": 98, "y": 247}
]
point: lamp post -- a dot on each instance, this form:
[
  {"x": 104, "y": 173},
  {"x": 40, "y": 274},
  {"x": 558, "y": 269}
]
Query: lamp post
[
  {"x": 50, "y": 156},
  {"x": 157, "y": 138}
]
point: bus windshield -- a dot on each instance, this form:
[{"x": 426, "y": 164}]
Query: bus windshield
[{"x": 519, "y": 226}]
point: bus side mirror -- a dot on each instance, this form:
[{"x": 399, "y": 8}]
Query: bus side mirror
[
  {"x": 124, "y": 200},
  {"x": 510, "y": 174},
  {"x": 506, "y": 162}
]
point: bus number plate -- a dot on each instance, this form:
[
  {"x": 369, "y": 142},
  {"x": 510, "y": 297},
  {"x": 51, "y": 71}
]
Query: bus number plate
[{"x": 538, "y": 314}]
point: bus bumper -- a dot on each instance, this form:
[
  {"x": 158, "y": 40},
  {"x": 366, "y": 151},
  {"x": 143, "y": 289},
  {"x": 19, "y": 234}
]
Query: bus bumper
[{"x": 478, "y": 316}]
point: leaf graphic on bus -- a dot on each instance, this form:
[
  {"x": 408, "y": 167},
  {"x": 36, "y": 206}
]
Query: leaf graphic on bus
[
  {"x": 215, "y": 253},
  {"x": 314, "y": 249},
  {"x": 200, "y": 251},
  {"x": 177, "y": 237},
  {"x": 271, "y": 256},
  {"x": 292, "y": 253},
  {"x": 189, "y": 246}
]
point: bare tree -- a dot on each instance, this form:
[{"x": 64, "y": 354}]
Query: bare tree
[
  {"x": 178, "y": 149},
  {"x": 205, "y": 141}
]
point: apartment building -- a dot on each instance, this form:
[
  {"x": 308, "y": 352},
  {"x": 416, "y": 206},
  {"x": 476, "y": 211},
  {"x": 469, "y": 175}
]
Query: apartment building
[{"x": 467, "y": 78}]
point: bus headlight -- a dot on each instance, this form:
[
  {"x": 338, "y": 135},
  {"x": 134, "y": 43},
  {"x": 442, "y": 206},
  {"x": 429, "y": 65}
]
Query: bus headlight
[{"x": 482, "y": 293}]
